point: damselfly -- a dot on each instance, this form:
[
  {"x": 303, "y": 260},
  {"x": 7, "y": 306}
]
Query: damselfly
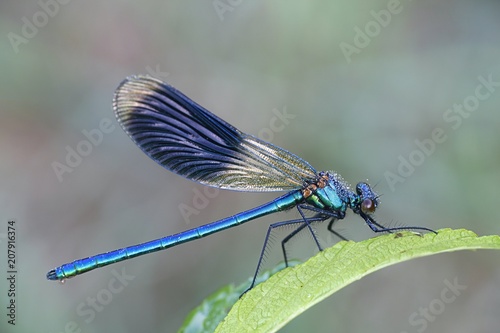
[{"x": 187, "y": 139}]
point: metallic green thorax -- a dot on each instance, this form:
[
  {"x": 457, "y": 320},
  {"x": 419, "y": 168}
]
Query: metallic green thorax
[{"x": 336, "y": 195}]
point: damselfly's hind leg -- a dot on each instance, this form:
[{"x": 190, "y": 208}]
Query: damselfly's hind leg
[
  {"x": 266, "y": 240},
  {"x": 330, "y": 228},
  {"x": 304, "y": 222}
]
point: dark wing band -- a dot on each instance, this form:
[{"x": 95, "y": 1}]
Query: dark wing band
[{"x": 189, "y": 140}]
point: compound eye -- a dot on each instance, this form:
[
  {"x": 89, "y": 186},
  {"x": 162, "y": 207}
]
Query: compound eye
[{"x": 368, "y": 206}]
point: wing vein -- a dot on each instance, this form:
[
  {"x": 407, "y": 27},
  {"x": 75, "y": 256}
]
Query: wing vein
[{"x": 187, "y": 139}]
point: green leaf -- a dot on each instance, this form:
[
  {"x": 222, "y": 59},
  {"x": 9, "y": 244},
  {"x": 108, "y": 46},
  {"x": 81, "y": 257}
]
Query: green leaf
[
  {"x": 272, "y": 304},
  {"x": 215, "y": 307}
]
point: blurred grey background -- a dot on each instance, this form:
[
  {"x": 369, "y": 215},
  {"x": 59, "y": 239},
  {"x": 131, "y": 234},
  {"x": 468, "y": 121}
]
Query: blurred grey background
[{"x": 360, "y": 82}]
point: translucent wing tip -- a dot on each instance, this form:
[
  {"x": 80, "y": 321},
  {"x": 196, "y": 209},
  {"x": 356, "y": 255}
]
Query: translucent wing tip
[
  {"x": 133, "y": 86},
  {"x": 133, "y": 96},
  {"x": 138, "y": 80}
]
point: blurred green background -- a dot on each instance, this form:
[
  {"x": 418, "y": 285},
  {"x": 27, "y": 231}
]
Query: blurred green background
[{"x": 357, "y": 113}]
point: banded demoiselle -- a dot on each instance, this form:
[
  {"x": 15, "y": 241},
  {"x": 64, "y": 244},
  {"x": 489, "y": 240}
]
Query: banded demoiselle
[{"x": 190, "y": 141}]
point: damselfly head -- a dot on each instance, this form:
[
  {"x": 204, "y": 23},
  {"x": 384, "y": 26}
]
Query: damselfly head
[{"x": 367, "y": 198}]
